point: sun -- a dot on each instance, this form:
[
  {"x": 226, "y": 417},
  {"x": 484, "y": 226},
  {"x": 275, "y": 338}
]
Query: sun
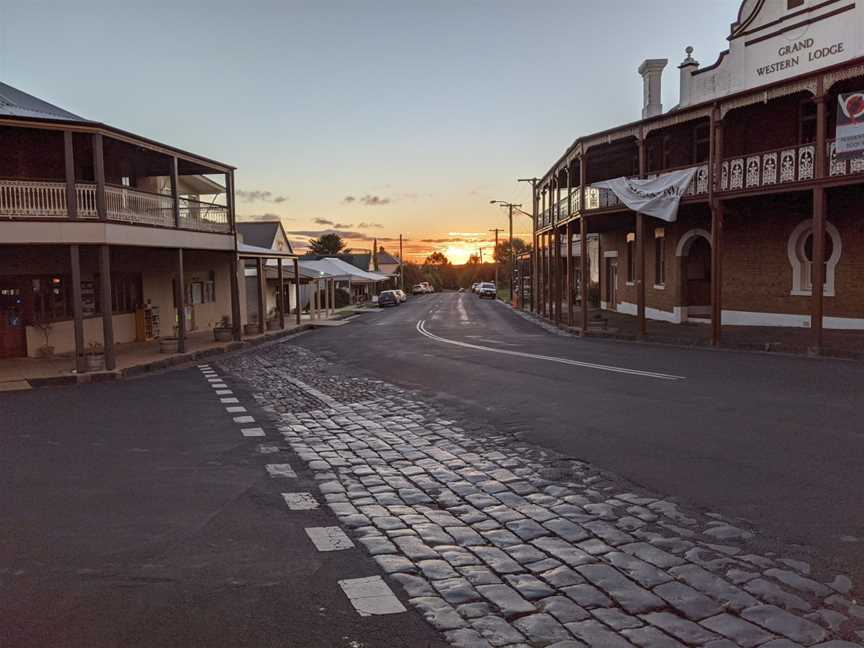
[{"x": 457, "y": 254}]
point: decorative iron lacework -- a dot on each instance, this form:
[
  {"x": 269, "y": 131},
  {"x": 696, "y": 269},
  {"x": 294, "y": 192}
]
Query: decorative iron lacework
[
  {"x": 676, "y": 118},
  {"x": 765, "y": 96},
  {"x": 830, "y": 78}
]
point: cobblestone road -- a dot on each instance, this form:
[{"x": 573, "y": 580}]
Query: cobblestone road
[{"x": 500, "y": 543}]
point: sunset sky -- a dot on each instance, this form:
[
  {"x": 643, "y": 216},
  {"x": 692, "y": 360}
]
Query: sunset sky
[{"x": 368, "y": 118}]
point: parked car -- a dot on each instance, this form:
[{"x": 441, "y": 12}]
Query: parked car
[
  {"x": 474, "y": 287},
  {"x": 418, "y": 289},
  {"x": 401, "y": 295},
  {"x": 487, "y": 290},
  {"x": 388, "y": 298}
]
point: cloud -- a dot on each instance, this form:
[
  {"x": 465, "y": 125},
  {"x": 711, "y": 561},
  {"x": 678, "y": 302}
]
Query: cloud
[
  {"x": 374, "y": 201},
  {"x": 254, "y": 195},
  {"x": 262, "y": 217},
  {"x": 324, "y": 221},
  {"x": 345, "y": 234},
  {"x": 368, "y": 200},
  {"x": 369, "y": 225}
]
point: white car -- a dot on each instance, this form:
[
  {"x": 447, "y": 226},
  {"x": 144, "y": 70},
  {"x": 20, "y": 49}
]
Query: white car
[
  {"x": 487, "y": 289},
  {"x": 401, "y": 294}
]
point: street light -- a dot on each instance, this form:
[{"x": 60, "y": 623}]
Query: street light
[
  {"x": 534, "y": 261},
  {"x": 510, "y": 207}
]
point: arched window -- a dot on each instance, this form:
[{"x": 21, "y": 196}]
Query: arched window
[{"x": 800, "y": 253}]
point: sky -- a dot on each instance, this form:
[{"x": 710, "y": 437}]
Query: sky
[{"x": 372, "y": 118}]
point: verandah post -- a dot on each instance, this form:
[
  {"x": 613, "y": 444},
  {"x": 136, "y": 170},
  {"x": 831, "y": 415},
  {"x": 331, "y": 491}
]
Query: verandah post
[{"x": 817, "y": 274}]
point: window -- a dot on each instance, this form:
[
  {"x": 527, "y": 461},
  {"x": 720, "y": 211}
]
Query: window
[
  {"x": 806, "y": 122},
  {"x": 800, "y": 253},
  {"x": 659, "y": 256},
  {"x": 794, "y": 4},
  {"x": 631, "y": 258},
  {"x": 52, "y": 299}
]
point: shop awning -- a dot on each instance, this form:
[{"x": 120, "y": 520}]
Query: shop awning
[{"x": 246, "y": 251}]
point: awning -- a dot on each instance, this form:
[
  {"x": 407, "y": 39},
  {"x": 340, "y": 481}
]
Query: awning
[{"x": 246, "y": 251}]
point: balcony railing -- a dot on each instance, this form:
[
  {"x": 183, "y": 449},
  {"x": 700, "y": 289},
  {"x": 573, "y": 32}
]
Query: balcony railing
[
  {"x": 197, "y": 215},
  {"x": 37, "y": 199},
  {"x": 602, "y": 198}
]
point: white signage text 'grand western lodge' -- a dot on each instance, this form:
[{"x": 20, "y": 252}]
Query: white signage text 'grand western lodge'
[{"x": 793, "y": 55}]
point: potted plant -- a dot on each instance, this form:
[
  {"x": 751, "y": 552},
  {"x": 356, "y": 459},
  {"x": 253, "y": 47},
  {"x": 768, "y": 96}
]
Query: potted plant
[
  {"x": 168, "y": 344},
  {"x": 94, "y": 357},
  {"x": 252, "y": 327},
  {"x": 44, "y": 327},
  {"x": 272, "y": 319},
  {"x": 223, "y": 331}
]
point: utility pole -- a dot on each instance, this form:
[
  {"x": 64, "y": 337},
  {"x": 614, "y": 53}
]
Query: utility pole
[
  {"x": 495, "y": 254},
  {"x": 534, "y": 259},
  {"x": 510, "y": 207},
  {"x": 401, "y": 266}
]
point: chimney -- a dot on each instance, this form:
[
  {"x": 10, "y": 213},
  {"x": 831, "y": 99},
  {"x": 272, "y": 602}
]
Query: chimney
[
  {"x": 688, "y": 66},
  {"x": 651, "y": 71}
]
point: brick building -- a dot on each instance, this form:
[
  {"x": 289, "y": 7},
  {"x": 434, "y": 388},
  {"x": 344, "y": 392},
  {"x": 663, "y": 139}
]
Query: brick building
[{"x": 769, "y": 232}]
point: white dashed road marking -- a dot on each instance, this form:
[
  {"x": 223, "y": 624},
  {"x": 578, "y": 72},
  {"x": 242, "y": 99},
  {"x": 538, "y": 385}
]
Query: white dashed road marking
[
  {"x": 281, "y": 470},
  {"x": 371, "y": 596},
  {"x": 329, "y": 538},
  {"x": 252, "y": 432},
  {"x": 567, "y": 361},
  {"x": 303, "y": 502},
  {"x": 223, "y": 392},
  {"x": 235, "y": 409},
  {"x": 228, "y": 400},
  {"x": 244, "y": 419},
  {"x": 265, "y": 448}
]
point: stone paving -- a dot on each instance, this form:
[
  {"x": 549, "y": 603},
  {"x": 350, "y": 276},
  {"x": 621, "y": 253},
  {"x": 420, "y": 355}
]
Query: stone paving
[{"x": 500, "y": 543}]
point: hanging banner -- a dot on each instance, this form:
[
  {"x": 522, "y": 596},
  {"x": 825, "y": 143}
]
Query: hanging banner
[
  {"x": 657, "y": 197},
  {"x": 850, "y": 124}
]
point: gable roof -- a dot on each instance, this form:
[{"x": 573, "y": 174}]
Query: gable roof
[
  {"x": 261, "y": 233},
  {"x": 15, "y": 103},
  {"x": 357, "y": 260},
  {"x": 386, "y": 258}
]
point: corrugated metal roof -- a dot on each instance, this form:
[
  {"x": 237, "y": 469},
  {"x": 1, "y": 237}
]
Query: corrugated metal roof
[{"x": 15, "y": 103}]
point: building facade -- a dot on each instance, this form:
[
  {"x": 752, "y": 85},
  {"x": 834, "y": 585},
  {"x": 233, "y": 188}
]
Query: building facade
[
  {"x": 107, "y": 237},
  {"x": 768, "y": 233}
]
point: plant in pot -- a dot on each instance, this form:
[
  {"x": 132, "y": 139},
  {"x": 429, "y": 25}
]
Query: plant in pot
[
  {"x": 252, "y": 327},
  {"x": 169, "y": 344},
  {"x": 94, "y": 357},
  {"x": 223, "y": 331},
  {"x": 272, "y": 319},
  {"x": 44, "y": 327}
]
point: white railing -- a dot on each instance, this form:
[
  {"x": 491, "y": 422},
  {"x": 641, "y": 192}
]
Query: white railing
[
  {"x": 133, "y": 206},
  {"x": 37, "y": 199},
  {"x": 845, "y": 165},
  {"x": 32, "y": 199},
  {"x": 203, "y": 216},
  {"x": 768, "y": 168}
]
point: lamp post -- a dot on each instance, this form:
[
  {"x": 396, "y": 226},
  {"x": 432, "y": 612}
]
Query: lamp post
[{"x": 510, "y": 207}]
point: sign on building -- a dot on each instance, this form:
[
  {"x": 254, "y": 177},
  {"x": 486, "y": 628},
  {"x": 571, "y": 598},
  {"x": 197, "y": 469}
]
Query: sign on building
[{"x": 850, "y": 123}]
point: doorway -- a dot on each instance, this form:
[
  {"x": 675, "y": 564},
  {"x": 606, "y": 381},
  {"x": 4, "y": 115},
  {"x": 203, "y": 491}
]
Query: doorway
[
  {"x": 13, "y": 338},
  {"x": 612, "y": 283},
  {"x": 696, "y": 284}
]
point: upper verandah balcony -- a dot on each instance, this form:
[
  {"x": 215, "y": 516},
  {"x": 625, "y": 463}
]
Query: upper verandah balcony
[{"x": 58, "y": 166}]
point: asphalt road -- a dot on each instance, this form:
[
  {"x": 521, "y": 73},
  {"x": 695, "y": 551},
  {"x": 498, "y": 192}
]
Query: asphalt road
[
  {"x": 135, "y": 514},
  {"x": 776, "y": 440}
]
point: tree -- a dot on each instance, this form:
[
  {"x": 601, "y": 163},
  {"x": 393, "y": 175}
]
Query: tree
[
  {"x": 502, "y": 251},
  {"x": 473, "y": 260},
  {"x": 328, "y": 244},
  {"x": 437, "y": 259}
]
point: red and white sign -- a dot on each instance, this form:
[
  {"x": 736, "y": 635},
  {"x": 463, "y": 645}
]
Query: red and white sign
[{"x": 850, "y": 123}]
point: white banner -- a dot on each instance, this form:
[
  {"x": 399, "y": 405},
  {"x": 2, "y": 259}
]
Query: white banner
[
  {"x": 850, "y": 124},
  {"x": 657, "y": 197}
]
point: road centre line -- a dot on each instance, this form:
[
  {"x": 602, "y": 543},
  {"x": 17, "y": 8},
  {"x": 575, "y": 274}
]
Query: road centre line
[{"x": 566, "y": 361}]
